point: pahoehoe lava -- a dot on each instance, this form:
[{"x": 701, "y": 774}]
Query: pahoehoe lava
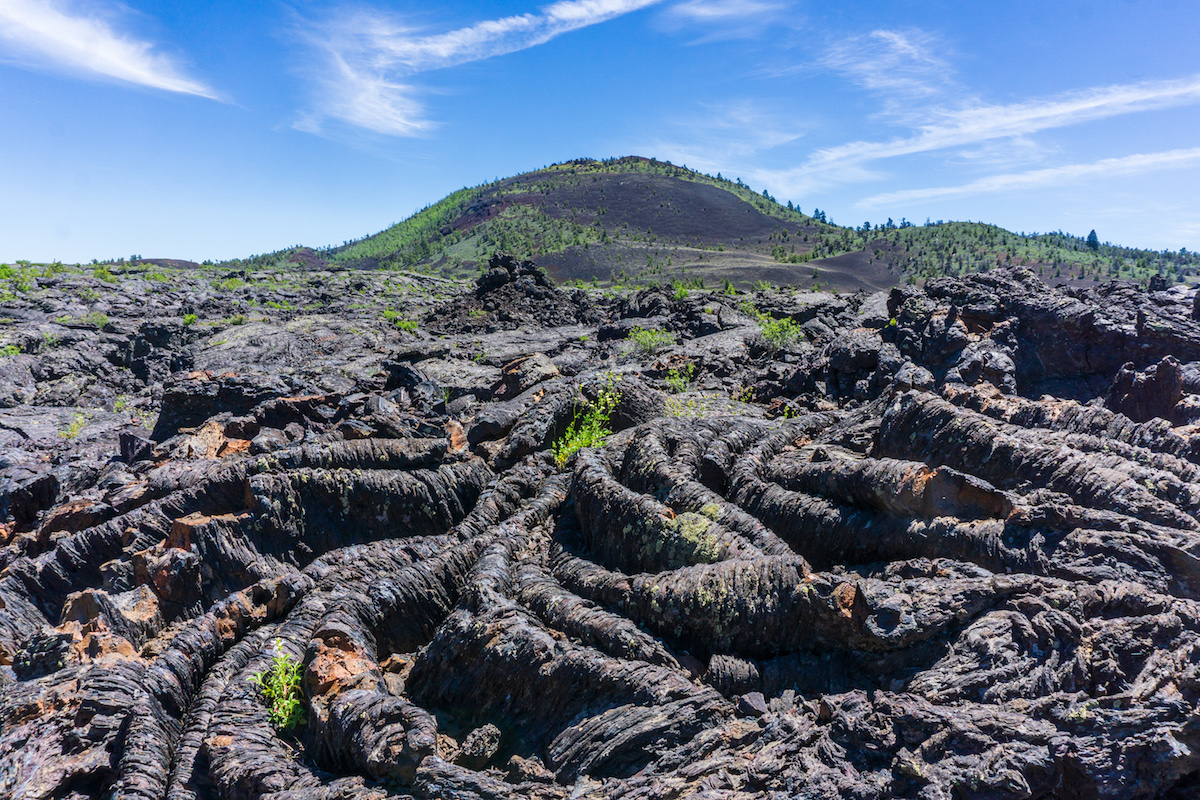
[{"x": 945, "y": 545}]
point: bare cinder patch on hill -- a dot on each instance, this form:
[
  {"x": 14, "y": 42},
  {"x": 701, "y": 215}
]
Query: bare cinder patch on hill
[{"x": 848, "y": 272}]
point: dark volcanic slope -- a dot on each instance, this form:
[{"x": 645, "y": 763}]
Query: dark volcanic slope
[
  {"x": 662, "y": 205},
  {"x": 943, "y": 546}
]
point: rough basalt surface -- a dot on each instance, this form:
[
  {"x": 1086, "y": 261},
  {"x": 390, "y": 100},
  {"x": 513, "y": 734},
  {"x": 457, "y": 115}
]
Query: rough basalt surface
[{"x": 945, "y": 545}]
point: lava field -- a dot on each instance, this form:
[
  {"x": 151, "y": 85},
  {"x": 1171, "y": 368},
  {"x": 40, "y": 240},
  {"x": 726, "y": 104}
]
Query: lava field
[{"x": 943, "y": 543}]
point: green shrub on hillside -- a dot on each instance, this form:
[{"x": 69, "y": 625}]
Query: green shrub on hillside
[{"x": 416, "y": 238}]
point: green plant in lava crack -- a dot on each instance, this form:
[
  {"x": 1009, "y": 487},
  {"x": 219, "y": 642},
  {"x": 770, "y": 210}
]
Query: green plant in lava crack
[
  {"x": 589, "y": 426},
  {"x": 75, "y": 428},
  {"x": 280, "y": 689},
  {"x": 18, "y": 279},
  {"x": 190, "y": 319},
  {"x": 650, "y": 340},
  {"x": 777, "y": 333},
  {"x": 97, "y": 318},
  {"x": 399, "y": 321},
  {"x": 228, "y": 284},
  {"x": 680, "y": 378}
]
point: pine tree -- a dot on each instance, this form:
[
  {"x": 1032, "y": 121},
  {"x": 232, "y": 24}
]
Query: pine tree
[{"x": 1093, "y": 241}]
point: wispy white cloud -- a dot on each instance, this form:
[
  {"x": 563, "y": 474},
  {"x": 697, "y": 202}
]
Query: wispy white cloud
[
  {"x": 1014, "y": 151},
  {"x": 725, "y": 19},
  {"x": 1054, "y": 176},
  {"x": 370, "y": 56},
  {"x": 724, "y": 135},
  {"x": 981, "y": 133},
  {"x": 48, "y": 32},
  {"x": 721, "y": 10},
  {"x": 967, "y": 126},
  {"x": 368, "y": 101},
  {"x": 911, "y": 70},
  {"x": 903, "y": 64},
  {"x": 496, "y": 37},
  {"x": 907, "y": 68}
]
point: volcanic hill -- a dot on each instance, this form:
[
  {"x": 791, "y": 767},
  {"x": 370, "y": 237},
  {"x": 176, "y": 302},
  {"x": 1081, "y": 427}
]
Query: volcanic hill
[{"x": 637, "y": 222}]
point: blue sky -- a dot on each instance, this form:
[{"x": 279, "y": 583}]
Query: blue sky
[{"x": 215, "y": 130}]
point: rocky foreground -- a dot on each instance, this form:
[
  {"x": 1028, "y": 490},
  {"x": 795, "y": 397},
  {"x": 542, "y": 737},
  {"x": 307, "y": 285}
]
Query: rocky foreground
[{"x": 945, "y": 544}]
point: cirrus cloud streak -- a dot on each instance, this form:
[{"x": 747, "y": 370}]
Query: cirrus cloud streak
[
  {"x": 958, "y": 127},
  {"x": 1054, "y": 176},
  {"x": 370, "y": 56},
  {"x": 41, "y": 32}
]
